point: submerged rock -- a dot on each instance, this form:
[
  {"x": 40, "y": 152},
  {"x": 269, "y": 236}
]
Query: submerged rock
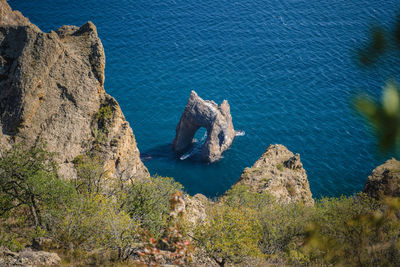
[
  {"x": 384, "y": 180},
  {"x": 52, "y": 91},
  {"x": 216, "y": 119},
  {"x": 280, "y": 173}
]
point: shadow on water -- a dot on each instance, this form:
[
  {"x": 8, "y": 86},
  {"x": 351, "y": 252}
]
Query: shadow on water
[
  {"x": 187, "y": 167},
  {"x": 166, "y": 152}
]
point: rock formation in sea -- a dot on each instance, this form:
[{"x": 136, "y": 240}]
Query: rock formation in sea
[
  {"x": 216, "y": 119},
  {"x": 52, "y": 91},
  {"x": 280, "y": 173},
  {"x": 384, "y": 180}
]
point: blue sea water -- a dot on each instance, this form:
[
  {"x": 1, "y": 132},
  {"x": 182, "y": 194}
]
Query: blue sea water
[{"x": 287, "y": 69}]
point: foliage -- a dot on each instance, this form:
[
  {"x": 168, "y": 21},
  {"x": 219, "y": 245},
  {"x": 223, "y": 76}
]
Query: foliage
[
  {"x": 28, "y": 177},
  {"x": 242, "y": 196},
  {"x": 95, "y": 221},
  {"x": 384, "y": 116},
  {"x": 230, "y": 234},
  {"x": 147, "y": 202},
  {"x": 91, "y": 175},
  {"x": 171, "y": 246},
  {"x": 279, "y": 167},
  {"x": 103, "y": 117},
  {"x": 104, "y": 114},
  {"x": 355, "y": 232}
]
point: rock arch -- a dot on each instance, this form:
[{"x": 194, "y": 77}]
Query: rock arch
[{"x": 216, "y": 119}]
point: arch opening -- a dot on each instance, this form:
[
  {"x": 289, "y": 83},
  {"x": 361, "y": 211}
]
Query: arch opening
[{"x": 198, "y": 140}]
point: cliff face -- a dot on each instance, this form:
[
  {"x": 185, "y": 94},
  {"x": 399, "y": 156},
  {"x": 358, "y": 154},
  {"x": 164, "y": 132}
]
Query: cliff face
[
  {"x": 384, "y": 180},
  {"x": 280, "y": 173},
  {"x": 52, "y": 91}
]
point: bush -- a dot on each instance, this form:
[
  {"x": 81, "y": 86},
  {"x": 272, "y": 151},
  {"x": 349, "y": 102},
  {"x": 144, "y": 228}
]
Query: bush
[
  {"x": 91, "y": 175},
  {"x": 147, "y": 202},
  {"x": 230, "y": 234},
  {"x": 355, "y": 231},
  {"x": 28, "y": 178},
  {"x": 242, "y": 196},
  {"x": 94, "y": 222}
]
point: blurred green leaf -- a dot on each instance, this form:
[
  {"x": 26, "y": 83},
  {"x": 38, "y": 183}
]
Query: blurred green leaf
[{"x": 384, "y": 116}]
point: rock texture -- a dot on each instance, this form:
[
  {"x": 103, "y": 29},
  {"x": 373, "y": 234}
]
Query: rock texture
[
  {"x": 9, "y": 17},
  {"x": 384, "y": 180},
  {"x": 52, "y": 91},
  {"x": 195, "y": 208},
  {"x": 216, "y": 119},
  {"x": 280, "y": 173},
  {"x": 28, "y": 258}
]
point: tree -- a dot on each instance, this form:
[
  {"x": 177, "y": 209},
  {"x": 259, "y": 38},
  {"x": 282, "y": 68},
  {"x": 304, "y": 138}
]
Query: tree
[{"x": 28, "y": 177}]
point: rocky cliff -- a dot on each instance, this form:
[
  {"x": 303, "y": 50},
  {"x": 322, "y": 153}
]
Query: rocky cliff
[
  {"x": 52, "y": 91},
  {"x": 216, "y": 119},
  {"x": 280, "y": 173},
  {"x": 384, "y": 180}
]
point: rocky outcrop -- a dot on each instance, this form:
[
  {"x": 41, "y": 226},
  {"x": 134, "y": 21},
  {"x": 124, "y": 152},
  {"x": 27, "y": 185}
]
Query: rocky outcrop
[
  {"x": 195, "y": 209},
  {"x": 384, "y": 180},
  {"x": 52, "y": 91},
  {"x": 280, "y": 173},
  {"x": 216, "y": 119},
  {"x": 9, "y": 17},
  {"x": 28, "y": 258}
]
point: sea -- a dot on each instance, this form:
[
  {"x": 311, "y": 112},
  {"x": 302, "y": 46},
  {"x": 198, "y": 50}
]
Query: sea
[{"x": 288, "y": 69}]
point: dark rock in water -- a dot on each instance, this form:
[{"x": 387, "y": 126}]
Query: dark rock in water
[
  {"x": 279, "y": 173},
  {"x": 216, "y": 119},
  {"x": 384, "y": 180},
  {"x": 51, "y": 90}
]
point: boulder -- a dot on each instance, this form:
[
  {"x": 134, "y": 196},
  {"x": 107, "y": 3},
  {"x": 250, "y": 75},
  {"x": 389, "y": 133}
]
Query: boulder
[
  {"x": 384, "y": 180},
  {"x": 280, "y": 173},
  {"x": 28, "y": 258},
  {"x": 52, "y": 91},
  {"x": 195, "y": 209},
  {"x": 216, "y": 119}
]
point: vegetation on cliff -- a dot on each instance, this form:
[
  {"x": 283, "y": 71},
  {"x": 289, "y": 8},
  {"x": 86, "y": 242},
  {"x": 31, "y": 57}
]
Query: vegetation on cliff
[{"x": 91, "y": 224}]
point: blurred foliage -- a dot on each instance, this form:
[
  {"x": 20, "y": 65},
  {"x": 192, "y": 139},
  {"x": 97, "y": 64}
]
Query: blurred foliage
[{"x": 383, "y": 115}]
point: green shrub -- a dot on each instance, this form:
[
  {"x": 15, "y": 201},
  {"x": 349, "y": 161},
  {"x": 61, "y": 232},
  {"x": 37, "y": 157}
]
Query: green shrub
[
  {"x": 105, "y": 113},
  {"x": 242, "y": 196},
  {"x": 355, "y": 231},
  {"x": 103, "y": 117},
  {"x": 147, "y": 202},
  {"x": 283, "y": 229},
  {"x": 93, "y": 222},
  {"x": 230, "y": 234},
  {"x": 91, "y": 175},
  {"x": 28, "y": 178}
]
